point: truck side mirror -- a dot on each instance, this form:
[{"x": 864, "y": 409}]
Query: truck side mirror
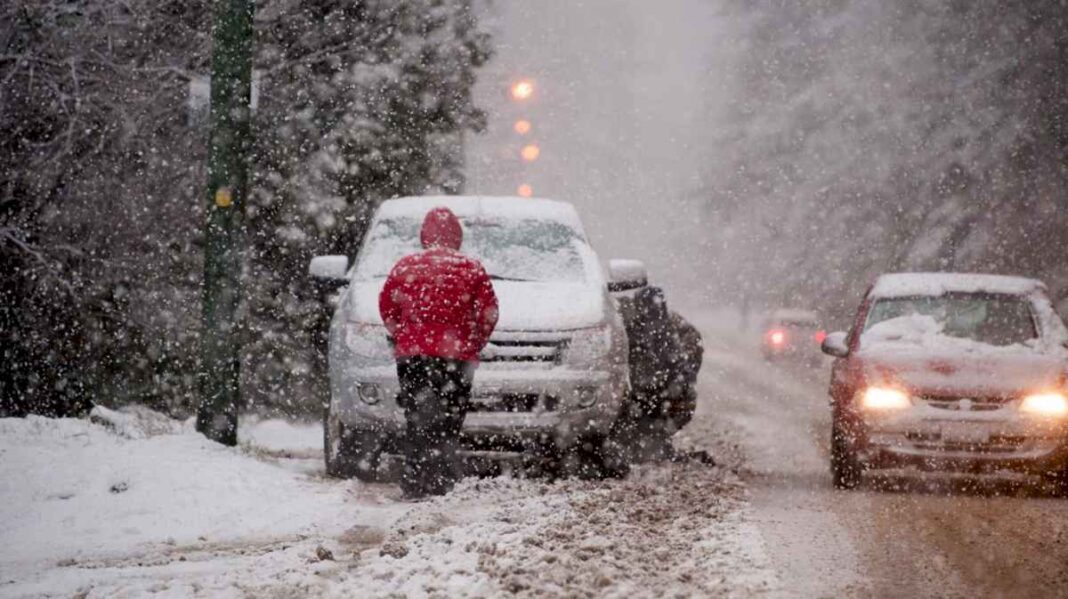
[
  {"x": 834, "y": 344},
  {"x": 625, "y": 275},
  {"x": 330, "y": 270}
]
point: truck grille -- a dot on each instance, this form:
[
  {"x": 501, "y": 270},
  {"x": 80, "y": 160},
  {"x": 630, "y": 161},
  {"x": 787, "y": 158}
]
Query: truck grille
[
  {"x": 524, "y": 347},
  {"x": 513, "y": 402}
]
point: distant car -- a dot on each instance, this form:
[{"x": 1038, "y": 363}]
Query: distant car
[
  {"x": 950, "y": 371},
  {"x": 792, "y": 334},
  {"x": 552, "y": 378}
]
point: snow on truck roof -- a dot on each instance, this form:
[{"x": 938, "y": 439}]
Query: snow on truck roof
[
  {"x": 940, "y": 283},
  {"x": 474, "y": 206}
]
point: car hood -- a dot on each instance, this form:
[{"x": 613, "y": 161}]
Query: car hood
[
  {"x": 524, "y": 306},
  {"x": 998, "y": 373}
]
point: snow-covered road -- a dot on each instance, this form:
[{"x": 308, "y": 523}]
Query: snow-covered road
[{"x": 90, "y": 513}]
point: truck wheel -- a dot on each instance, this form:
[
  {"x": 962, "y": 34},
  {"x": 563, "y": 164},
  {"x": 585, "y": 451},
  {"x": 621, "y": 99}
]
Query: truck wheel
[
  {"x": 596, "y": 458},
  {"x": 845, "y": 466},
  {"x": 350, "y": 452}
]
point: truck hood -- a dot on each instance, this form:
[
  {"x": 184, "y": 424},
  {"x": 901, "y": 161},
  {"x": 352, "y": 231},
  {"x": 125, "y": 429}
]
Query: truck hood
[
  {"x": 524, "y": 306},
  {"x": 930, "y": 372}
]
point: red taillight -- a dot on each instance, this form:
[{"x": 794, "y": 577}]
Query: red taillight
[
  {"x": 776, "y": 337},
  {"x": 820, "y": 336}
]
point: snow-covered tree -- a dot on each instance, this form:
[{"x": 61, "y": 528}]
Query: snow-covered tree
[
  {"x": 873, "y": 136},
  {"x": 102, "y": 179}
]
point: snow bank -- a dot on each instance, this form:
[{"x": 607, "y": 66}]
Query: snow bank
[
  {"x": 275, "y": 434},
  {"x": 73, "y": 487},
  {"x": 132, "y": 504}
]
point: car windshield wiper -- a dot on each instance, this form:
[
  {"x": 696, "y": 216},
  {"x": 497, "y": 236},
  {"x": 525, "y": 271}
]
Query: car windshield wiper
[{"x": 500, "y": 278}]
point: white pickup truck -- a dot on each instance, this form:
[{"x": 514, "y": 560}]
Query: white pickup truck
[{"x": 554, "y": 375}]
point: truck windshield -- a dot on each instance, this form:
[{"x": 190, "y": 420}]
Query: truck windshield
[
  {"x": 993, "y": 319},
  {"x": 509, "y": 249}
]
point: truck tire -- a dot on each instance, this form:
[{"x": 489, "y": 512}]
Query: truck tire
[
  {"x": 596, "y": 457},
  {"x": 845, "y": 465},
  {"x": 350, "y": 452}
]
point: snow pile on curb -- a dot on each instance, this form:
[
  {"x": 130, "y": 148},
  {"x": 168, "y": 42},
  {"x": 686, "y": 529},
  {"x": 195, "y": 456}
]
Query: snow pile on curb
[
  {"x": 74, "y": 487},
  {"x": 133, "y": 504},
  {"x": 277, "y": 435}
]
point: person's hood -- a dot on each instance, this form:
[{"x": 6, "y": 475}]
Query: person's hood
[
  {"x": 1001, "y": 372},
  {"x": 524, "y": 305},
  {"x": 441, "y": 228}
]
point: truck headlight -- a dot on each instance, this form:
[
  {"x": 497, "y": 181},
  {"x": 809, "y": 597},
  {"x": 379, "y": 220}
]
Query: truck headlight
[
  {"x": 880, "y": 399},
  {"x": 1052, "y": 405},
  {"x": 590, "y": 347},
  {"x": 368, "y": 343}
]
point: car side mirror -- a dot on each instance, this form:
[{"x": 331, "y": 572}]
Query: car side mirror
[
  {"x": 330, "y": 270},
  {"x": 624, "y": 275},
  {"x": 835, "y": 345}
]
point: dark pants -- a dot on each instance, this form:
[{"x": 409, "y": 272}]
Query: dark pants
[{"x": 434, "y": 393}]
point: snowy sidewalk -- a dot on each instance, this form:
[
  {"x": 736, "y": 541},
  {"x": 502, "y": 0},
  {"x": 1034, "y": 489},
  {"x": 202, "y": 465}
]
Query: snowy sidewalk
[{"x": 151, "y": 507}]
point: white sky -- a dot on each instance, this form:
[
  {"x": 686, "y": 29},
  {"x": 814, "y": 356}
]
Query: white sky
[{"x": 626, "y": 93}]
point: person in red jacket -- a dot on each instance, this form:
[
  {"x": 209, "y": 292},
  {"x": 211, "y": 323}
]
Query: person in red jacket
[{"x": 440, "y": 309}]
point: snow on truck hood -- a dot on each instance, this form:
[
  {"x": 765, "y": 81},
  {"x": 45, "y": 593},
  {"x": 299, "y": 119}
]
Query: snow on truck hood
[{"x": 524, "y": 306}]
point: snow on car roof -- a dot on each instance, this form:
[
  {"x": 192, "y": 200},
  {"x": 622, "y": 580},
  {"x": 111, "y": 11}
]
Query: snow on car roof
[
  {"x": 939, "y": 283},
  {"x": 472, "y": 206}
]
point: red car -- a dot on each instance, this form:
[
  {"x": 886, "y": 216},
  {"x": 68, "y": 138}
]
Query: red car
[{"x": 951, "y": 371}]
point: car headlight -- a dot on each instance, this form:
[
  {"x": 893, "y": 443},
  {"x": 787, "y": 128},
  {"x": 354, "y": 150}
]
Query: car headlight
[
  {"x": 1045, "y": 404},
  {"x": 884, "y": 398}
]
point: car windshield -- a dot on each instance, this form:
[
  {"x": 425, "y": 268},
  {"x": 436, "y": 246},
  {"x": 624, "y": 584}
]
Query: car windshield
[
  {"x": 993, "y": 319},
  {"x": 509, "y": 249}
]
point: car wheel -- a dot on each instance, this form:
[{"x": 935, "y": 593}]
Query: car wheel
[
  {"x": 596, "y": 457},
  {"x": 845, "y": 465},
  {"x": 350, "y": 452}
]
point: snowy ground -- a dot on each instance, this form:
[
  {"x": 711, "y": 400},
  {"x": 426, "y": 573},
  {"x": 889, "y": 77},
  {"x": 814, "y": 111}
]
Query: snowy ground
[{"x": 146, "y": 506}]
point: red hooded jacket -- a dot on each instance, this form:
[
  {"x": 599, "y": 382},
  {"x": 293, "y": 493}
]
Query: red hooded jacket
[{"x": 439, "y": 302}]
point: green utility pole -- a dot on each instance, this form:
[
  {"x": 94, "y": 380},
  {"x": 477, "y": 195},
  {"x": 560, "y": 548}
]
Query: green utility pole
[{"x": 231, "y": 94}]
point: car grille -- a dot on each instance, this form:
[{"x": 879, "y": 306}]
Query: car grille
[
  {"x": 524, "y": 347},
  {"x": 966, "y": 404},
  {"x": 996, "y": 443}
]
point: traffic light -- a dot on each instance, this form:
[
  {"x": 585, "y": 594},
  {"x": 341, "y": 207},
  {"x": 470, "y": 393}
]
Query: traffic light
[
  {"x": 525, "y": 190},
  {"x": 522, "y": 126}
]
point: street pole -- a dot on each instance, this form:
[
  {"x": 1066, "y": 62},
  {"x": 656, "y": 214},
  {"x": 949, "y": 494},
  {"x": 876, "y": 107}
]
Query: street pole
[{"x": 230, "y": 137}]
